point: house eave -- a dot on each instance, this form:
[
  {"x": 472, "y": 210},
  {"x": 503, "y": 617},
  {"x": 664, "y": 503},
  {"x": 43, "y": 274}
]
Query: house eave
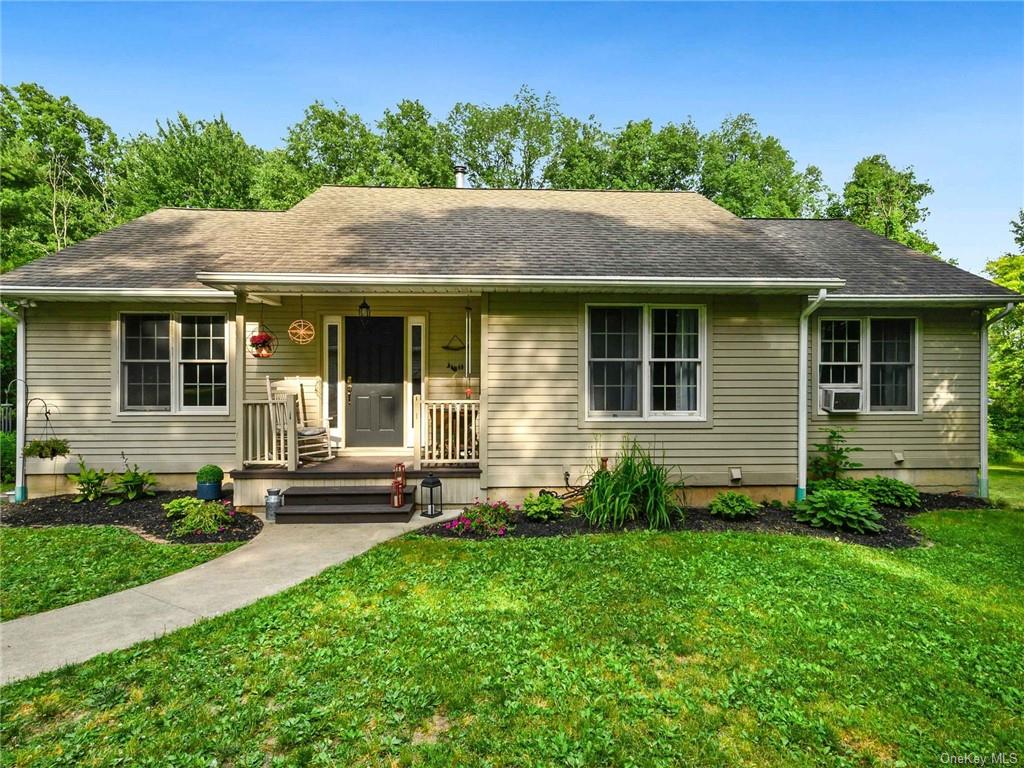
[
  {"x": 943, "y": 300},
  {"x": 72, "y": 293},
  {"x": 325, "y": 283}
]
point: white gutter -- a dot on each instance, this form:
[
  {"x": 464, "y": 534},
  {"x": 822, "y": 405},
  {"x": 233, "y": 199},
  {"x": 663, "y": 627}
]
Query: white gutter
[
  {"x": 801, "y": 417},
  {"x": 305, "y": 278},
  {"x": 20, "y": 489},
  {"x": 983, "y": 416},
  {"x": 946, "y": 299},
  {"x": 42, "y": 292}
]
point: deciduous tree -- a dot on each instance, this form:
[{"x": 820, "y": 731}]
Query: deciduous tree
[{"x": 1006, "y": 350}]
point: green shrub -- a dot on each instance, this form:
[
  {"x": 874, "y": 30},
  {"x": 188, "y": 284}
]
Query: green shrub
[
  {"x": 211, "y": 473},
  {"x": 732, "y": 504},
  {"x": 835, "y": 484},
  {"x": 889, "y": 492},
  {"x": 131, "y": 484},
  {"x": 486, "y": 517},
  {"x": 839, "y": 509},
  {"x": 50, "y": 448},
  {"x": 543, "y": 508},
  {"x": 637, "y": 487},
  {"x": 8, "y": 456},
  {"x": 833, "y": 457},
  {"x": 193, "y": 515},
  {"x": 91, "y": 483}
]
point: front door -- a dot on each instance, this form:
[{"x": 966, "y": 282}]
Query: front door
[{"x": 374, "y": 381}]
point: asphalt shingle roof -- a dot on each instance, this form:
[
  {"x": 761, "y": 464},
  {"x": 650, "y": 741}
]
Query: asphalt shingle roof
[
  {"x": 870, "y": 264},
  {"x": 388, "y": 231}
]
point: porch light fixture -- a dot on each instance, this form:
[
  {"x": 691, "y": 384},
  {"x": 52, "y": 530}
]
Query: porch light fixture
[
  {"x": 435, "y": 507},
  {"x": 364, "y": 313}
]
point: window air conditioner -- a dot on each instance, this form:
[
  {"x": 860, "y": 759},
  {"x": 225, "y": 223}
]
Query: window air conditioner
[{"x": 841, "y": 400}]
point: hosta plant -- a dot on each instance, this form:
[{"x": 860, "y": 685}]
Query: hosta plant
[
  {"x": 543, "y": 508},
  {"x": 889, "y": 492},
  {"x": 839, "y": 509},
  {"x": 91, "y": 483},
  {"x": 193, "y": 515},
  {"x": 733, "y": 504}
]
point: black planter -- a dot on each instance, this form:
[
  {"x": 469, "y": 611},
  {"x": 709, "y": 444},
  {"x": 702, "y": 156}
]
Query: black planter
[{"x": 208, "y": 491}]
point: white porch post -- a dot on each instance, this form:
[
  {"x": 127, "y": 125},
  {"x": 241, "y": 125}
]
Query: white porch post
[
  {"x": 485, "y": 311},
  {"x": 239, "y": 378}
]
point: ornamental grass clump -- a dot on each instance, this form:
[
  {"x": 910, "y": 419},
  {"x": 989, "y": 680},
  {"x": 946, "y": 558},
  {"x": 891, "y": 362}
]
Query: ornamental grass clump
[
  {"x": 839, "y": 509},
  {"x": 732, "y": 505},
  {"x": 636, "y": 488}
]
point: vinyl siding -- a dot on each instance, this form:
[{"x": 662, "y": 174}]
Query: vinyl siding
[
  {"x": 71, "y": 365},
  {"x": 945, "y": 434},
  {"x": 536, "y": 428}
]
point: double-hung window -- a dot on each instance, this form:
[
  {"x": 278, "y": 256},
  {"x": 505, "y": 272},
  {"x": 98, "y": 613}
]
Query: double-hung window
[
  {"x": 874, "y": 355},
  {"x": 644, "y": 362},
  {"x": 173, "y": 362}
]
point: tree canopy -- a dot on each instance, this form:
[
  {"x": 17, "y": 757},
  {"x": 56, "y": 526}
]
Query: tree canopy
[
  {"x": 1006, "y": 350},
  {"x": 888, "y": 201}
]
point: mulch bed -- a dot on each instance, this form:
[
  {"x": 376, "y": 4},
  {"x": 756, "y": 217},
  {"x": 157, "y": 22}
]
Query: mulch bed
[
  {"x": 897, "y": 534},
  {"x": 144, "y": 515}
]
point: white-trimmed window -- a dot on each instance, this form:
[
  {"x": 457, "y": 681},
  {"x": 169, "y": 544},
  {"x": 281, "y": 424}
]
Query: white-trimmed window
[
  {"x": 174, "y": 362},
  {"x": 645, "y": 362},
  {"x": 877, "y": 356}
]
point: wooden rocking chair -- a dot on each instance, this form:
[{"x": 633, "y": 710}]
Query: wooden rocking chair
[{"x": 313, "y": 440}]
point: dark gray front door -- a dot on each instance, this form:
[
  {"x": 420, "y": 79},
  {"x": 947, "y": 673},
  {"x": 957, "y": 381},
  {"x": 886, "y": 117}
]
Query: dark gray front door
[{"x": 374, "y": 381}]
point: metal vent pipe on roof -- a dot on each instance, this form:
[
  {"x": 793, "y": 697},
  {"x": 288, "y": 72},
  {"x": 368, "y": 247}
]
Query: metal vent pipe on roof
[{"x": 460, "y": 176}]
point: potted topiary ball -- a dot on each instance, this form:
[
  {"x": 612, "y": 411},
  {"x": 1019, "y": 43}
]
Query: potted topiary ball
[{"x": 208, "y": 481}]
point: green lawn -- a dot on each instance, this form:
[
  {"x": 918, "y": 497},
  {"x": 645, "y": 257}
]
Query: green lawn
[
  {"x": 635, "y": 649},
  {"x": 44, "y": 568},
  {"x": 1006, "y": 483}
]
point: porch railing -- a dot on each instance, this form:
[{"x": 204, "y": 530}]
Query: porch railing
[
  {"x": 269, "y": 433},
  {"x": 446, "y": 431}
]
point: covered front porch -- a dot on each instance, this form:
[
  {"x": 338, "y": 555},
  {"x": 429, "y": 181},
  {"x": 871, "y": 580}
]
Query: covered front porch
[{"x": 371, "y": 381}]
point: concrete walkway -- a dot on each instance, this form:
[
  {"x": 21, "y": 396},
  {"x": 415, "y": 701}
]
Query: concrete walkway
[{"x": 279, "y": 557}]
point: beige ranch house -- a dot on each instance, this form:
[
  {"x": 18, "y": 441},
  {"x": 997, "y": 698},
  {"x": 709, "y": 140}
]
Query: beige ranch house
[{"x": 502, "y": 340}]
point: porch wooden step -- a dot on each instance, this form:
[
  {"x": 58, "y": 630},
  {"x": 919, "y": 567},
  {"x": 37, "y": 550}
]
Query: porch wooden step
[
  {"x": 345, "y": 513},
  {"x": 342, "y": 495}
]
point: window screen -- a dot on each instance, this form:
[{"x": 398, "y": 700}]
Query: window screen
[
  {"x": 675, "y": 359},
  {"x": 892, "y": 365},
  {"x": 146, "y": 362},
  {"x": 204, "y": 365},
  {"x": 615, "y": 355},
  {"x": 840, "y": 352}
]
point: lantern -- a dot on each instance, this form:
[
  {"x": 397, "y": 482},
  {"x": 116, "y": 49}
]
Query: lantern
[
  {"x": 398, "y": 473},
  {"x": 432, "y": 486},
  {"x": 397, "y": 494},
  {"x": 273, "y": 502},
  {"x": 364, "y": 313}
]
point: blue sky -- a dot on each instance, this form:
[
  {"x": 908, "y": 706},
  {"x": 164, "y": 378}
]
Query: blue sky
[{"x": 937, "y": 86}]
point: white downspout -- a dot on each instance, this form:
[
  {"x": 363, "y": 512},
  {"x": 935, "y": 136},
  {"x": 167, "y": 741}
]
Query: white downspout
[
  {"x": 20, "y": 489},
  {"x": 801, "y": 418},
  {"x": 983, "y": 416}
]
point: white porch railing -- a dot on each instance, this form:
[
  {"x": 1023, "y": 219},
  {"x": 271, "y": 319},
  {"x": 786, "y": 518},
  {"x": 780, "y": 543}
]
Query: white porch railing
[
  {"x": 446, "y": 431},
  {"x": 269, "y": 433}
]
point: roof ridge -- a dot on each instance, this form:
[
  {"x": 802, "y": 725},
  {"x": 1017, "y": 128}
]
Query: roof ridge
[{"x": 516, "y": 189}]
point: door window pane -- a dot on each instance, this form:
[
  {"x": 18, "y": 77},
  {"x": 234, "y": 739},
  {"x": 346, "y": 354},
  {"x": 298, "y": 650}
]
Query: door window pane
[{"x": 146, "y": 362}]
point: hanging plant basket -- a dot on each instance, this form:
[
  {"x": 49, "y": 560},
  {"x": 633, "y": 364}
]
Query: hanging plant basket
[
  {"x": 301, "y": 331},
  {"x": 262, "y": 344}
]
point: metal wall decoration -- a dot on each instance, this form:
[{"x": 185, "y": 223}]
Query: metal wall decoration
[{"x": 301, "y": 331}]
